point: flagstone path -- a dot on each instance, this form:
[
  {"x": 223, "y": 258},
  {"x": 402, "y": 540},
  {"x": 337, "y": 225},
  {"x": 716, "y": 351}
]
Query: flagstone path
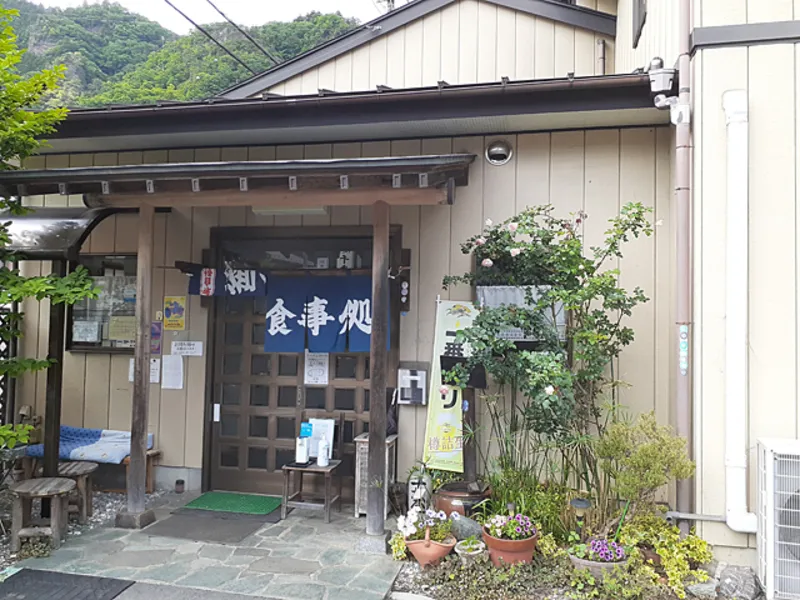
[{"x": 301, "y": 558}]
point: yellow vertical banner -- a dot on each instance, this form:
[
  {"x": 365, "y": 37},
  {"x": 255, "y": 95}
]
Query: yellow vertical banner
[{"x": 443, "y": 433}]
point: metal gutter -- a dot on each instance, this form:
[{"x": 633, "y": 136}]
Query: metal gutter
[
  {"x": 473, "y": 90},
  {"x": 275, "y": 168},
  {"x": 568, "y": 14}
]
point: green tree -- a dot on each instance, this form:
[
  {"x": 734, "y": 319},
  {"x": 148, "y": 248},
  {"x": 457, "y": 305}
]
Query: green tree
[
  {"x": 21, "y": 130},
  {"x": 193, "y": 68}
]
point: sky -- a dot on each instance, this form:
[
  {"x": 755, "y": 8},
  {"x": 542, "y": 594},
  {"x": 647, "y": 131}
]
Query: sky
[{"x": 243, "y": 12}]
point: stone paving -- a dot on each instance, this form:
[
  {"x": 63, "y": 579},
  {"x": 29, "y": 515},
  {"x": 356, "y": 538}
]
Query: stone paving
[{"x": 300, "y": 558}]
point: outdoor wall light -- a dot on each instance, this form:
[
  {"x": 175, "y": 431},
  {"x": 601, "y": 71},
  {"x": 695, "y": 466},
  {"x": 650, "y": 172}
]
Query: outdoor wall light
[
  {"x": 580, "y": 506},
  {"x": 499, "y": 153}
]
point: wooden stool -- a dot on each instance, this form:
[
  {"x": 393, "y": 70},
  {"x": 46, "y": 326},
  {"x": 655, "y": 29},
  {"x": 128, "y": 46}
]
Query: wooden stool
[
  {"x": 81, "y": 473},
  {"x": 56, "y": 489}
]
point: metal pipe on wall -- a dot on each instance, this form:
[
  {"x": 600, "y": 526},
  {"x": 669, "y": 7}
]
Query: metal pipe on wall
[{"x": 683, "y": 201}]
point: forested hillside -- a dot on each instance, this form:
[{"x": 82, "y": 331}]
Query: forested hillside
[
  {"x": 193, "y": 67},
  {"x": 114, "y": 56},
  {"x": 95, "y": 42}
]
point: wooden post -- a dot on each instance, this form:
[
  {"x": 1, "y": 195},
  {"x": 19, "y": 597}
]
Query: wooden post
[
  {"x": 52, "y": 411},
  {"x": 141, "y": 364},
  {"x": 55, "y": 352},
  {"x": 378, "y": 361}
]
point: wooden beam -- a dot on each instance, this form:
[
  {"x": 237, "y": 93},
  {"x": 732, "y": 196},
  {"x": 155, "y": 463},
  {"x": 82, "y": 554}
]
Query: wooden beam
[
  {"x": 378, "y": 362},
  {"x": 137, "y": 470},
  {"x": 282, "y": 199}
]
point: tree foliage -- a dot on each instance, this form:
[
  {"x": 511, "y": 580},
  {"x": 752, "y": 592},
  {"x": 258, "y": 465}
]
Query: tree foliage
[
  {"x": 21, "y": 130},
  {"x": 95, "y": 42},
  {"x": 114, "y": 56},
  {"x": 193, "y": 67}
]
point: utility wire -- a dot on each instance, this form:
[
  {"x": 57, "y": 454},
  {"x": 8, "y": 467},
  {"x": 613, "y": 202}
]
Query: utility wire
[
  {"x": 266, "y": 52},
  {"x": 212, "y": 38}
]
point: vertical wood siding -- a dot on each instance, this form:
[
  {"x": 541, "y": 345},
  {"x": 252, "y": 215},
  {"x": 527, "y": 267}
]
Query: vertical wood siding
[
  {"x": 710, "y": 13},
  {"x": 595, "y": 171},
  {"x": 467, "y": 42},
  {"x": 659, "y": 36},
  {"x": 774, "y": 274}
]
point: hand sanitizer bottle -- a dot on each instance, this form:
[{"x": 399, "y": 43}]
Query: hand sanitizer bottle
[{"x": 322, "y": 453}]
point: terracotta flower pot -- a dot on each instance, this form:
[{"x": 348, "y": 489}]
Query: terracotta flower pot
[
  {"x": 457, "y": 497},
  {"x": 596, "y": 568},
  {"x": 510, "y": 552},
  {"x": 427, "y": 552}
]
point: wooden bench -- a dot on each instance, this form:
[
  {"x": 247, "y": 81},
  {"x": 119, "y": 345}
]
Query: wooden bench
[
  {"x": 30, "y": 468},
  {"x": 150, "y": 481}
]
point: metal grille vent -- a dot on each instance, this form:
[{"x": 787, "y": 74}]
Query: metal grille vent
[{"x": 779, "y": 518}]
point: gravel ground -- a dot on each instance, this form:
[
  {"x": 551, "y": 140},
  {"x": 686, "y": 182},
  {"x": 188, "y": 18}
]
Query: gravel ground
[{"x": 106, "y": 506}]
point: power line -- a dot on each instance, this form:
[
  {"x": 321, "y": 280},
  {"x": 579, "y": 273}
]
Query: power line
[
  {"x": 212, "y": 38},
  {"x": 266, "y": 52}
]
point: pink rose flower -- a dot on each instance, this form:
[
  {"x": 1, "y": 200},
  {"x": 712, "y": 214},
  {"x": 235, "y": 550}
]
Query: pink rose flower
[
  {"x": 444, "y": 390},
  {"x": 516, "y": 251},
  {"x": 480, "y": 241},
  {"x": 512, "y": 227},
  {"x": 487, "y": 262}
]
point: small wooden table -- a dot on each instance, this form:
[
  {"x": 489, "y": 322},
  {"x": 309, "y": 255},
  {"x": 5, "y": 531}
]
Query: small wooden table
[
  {"x": 56, "y": 489},
  {"x": 328, "y": 472},
  {"x": 81, "y": 473}
]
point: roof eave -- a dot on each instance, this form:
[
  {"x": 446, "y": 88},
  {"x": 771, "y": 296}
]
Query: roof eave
[{"x": 585, "y": 18}]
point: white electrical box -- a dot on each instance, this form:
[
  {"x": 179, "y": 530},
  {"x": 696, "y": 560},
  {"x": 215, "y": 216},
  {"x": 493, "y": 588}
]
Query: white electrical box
[{"x": 412, "y": 384}]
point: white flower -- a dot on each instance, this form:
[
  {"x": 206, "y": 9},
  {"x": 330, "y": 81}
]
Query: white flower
[
  {"x": 580, "y": 267},
  {"x": 489, "y": 222},
  {"x": 516, "y": 251},
  {"x": 444, "y": 390},
  {"x": 659, "y": 223},
  {"x": 512, "y": 227},
  {"x": 487, "y": 262},
  {"x": 480, "y": 241},
  {"x": 442, "y": 515},
  {"x": 549, "y": 390},
  {"x": 455, "y": 516}
]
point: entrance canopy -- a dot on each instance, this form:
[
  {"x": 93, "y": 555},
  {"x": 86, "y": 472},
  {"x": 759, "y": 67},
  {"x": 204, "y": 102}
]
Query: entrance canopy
[
  {"x": 279, "y": 184},
  {"x": 52, "y": 233}
]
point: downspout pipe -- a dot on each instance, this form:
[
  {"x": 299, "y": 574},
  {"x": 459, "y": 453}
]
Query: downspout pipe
[
  {"x": 681, "y": 118},
  {"x": 735, "y": 105}
]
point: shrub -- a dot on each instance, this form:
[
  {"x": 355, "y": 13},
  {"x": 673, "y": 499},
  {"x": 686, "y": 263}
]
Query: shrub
[
  {"x": 642, "y": 457},
  {"x": 679, "y": 556}
]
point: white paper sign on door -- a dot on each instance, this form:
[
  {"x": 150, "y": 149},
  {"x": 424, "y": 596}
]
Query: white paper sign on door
[{"x": 317, "y": 365}]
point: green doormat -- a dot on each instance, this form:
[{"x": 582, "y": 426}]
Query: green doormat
[{"x": 247, "y": 504}]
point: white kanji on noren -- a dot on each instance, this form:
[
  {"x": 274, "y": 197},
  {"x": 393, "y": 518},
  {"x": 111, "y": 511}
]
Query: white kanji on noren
[
  {"x": 316, "y": 315},
  {"x": 277, "y": 316},
  {"x": 238, "y": 281},
  {"x": 356, "y": 313}
]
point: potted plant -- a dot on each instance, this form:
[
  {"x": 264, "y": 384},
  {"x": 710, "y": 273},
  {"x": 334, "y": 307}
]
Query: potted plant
[
  {"x": 469, "y": 549},
  {"x": 427, "y": 534},
  {"x": 510, "y": 539},
  {"x": 598, "y": 555}
]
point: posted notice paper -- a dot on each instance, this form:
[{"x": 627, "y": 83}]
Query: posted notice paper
[{"x": 172, "y": 376}]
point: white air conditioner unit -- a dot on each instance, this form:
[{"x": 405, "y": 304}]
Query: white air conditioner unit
[{"x": 778, "y": 511}]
